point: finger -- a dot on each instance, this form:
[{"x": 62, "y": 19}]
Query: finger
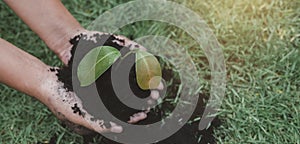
[
  {"x": 154, "y": 94},
  {"x": 137, "y": 117},
  {"x": 119, "y": 39},
  {"x": 115, "y": 128},
  {"x": 130, "y": 44},
  {"x": 150, "y": 102},
  {"x": 72, "y": 110}
]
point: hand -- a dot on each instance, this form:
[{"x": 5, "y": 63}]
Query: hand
[
  {"x": 40, "y": 81},
  {"x": 67, "y": 106}
]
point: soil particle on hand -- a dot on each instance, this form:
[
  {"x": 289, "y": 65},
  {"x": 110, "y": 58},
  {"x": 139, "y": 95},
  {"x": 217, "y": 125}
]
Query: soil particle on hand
[
  {"x": 76, "y": 109},
  {"x": 52, "y": 69}
]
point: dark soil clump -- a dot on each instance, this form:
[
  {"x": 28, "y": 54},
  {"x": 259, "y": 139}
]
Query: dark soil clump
[{"x": 188, "y": 134}]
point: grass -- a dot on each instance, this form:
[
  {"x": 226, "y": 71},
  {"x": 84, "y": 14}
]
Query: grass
[{"x": 261, "y": 43}]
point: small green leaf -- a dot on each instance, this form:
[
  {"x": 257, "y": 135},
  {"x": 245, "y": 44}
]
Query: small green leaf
[
  {"x": 148, "y": 70},
  {"x": 95, "y": 63}
]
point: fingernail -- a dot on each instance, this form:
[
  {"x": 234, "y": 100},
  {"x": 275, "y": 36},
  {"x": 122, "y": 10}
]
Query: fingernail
[
  {"x": 112, "y": 124},
  {"x": 154, "y": 94},
  {"x": 160, "y": 86},
  {"x": 114, "y": 128}
]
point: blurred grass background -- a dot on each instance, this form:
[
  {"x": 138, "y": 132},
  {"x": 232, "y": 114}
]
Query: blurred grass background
[{"x": 261, "y": 43}]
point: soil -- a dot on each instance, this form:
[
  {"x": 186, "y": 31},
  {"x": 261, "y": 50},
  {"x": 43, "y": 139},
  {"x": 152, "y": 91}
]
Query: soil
[{"x": 188, "y": 134}]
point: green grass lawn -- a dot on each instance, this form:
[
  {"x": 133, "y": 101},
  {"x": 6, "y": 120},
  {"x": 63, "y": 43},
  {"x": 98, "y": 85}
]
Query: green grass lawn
[{"x": 261, "y": 44}]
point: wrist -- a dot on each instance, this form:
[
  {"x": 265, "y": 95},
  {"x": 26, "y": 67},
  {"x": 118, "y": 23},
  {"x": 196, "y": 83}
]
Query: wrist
[{"x": 60, "y": 44}]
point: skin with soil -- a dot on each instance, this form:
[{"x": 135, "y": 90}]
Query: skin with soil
[{"x": 189, "y": 133}]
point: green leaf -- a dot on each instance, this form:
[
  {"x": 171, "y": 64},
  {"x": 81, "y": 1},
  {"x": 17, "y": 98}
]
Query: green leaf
[
  {"x": 95, "y": 63},
  {"x": 148, "y": 70}
]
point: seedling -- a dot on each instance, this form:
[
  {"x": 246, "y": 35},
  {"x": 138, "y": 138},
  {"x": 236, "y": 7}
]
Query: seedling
[{"x": 99, "y": 59}]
